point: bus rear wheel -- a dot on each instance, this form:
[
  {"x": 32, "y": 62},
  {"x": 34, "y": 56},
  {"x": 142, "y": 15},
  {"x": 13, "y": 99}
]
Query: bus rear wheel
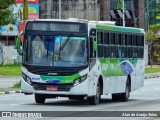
[
  {"x": 125, "y": 96},
  {"x": 115, "y": 97},
  {"x": 94, "y": 100},
  {"x": 76, "y": 97},
  {"x": 39, "y": 98}
]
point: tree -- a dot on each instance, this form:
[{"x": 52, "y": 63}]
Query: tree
[
  {"x": 6, "y": 15},
  {"x": 152, "y": 37}
]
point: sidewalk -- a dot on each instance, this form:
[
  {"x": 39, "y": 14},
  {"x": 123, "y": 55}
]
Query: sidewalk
[
  {"x": 6, "y": 82},
  {"x": 9, "y": 81}
]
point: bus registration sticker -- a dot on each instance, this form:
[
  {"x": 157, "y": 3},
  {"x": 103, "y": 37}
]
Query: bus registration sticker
[{"x": 51, "y": 88}]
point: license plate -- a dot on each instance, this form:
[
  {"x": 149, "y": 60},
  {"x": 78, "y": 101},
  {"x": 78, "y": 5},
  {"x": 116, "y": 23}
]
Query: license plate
[{"x": 51, "y": 88}]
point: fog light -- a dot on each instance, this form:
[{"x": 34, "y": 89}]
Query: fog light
[
  {"x": 80, "y": 80},
  {"x": 77, "y": 82},
  {"x": 29, "y": 80}
]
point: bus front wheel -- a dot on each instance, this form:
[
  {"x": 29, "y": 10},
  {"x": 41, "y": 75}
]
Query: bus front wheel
[
  {"x": 94, "y": 100},
  {"x": 39, "y": 98}
]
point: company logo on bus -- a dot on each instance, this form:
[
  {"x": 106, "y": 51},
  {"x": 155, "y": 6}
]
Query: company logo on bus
[
  {"x": 35, "y": 78},
  {"x": 53, "y": 81}
]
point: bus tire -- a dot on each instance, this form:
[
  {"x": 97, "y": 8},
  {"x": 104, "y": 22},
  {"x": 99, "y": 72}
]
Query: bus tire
[
  {"x": 125, "y": 96},
  {"x": 39, "y": 98},
  {"x": 115, "y": 97},
  {"x": 94, "y": 100},
  {"x": 76, "y": 97}
]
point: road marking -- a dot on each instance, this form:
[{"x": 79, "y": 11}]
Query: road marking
[
  {"x": 17, "y": 104},
  {"x": 157, "y": 88},
  {"x": 142, "y": 90},
  {"x": 149, "y": 82}
]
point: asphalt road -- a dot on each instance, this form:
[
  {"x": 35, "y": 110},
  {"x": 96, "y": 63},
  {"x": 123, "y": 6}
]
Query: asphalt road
[{"x": 144, "y": 99}]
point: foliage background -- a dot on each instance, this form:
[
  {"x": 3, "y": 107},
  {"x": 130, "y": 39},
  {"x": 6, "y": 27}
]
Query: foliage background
[{"x": 6, "y": 15}]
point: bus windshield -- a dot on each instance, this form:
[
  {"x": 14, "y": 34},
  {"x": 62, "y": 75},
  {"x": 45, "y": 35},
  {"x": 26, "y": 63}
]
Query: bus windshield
[{"x": 63, "y": 51}]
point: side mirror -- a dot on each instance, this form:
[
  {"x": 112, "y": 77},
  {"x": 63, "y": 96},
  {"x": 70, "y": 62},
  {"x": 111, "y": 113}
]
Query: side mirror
[
  {"x": 94, "y": 43},
  {"x": 18, "y": 43}
]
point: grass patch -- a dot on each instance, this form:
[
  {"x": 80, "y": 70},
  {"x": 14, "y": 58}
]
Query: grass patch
[
  {"x": 18, "y": 85},
  {"x": 2, "y": 90},
  {"x": 152, "y": 70},
  {"x": 10, "y": 70}
]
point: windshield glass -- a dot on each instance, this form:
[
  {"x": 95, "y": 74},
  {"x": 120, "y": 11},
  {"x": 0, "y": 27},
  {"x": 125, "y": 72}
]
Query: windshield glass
[{"x": 64, "y": 51}]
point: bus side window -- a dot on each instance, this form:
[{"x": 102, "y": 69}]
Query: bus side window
[
  {"x": 140, "y": 46},
  {"x": 112, "y": 39},
  {"x": 129, "y": 40},
  {"x": 129, "y": 44},
  {"x": 100, "y": 44},
  {"x": 100, "y": 37},
  {"x": 106, "y": 38},
  {"x": 134, "y": 40},
  {"x": 130, "y": 52},
  {"x": 92, "y": 38},
  {"x": 106, "y": 51},
  {"x": 112, "y": 51},
  {"x": 91, "y": 47},
  {"x": 140, "y": 41},
  {"x": 106, "y": 45},
  {"x": 100, "y": 51},
  {"x": 135, "y": 48},
  {"x": 119, "y": 39},
  {"x": 140, "y": 52},
  {"x": 119, "y": 52}
]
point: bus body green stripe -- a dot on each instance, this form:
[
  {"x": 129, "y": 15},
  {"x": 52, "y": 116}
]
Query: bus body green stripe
[
  {"x": 132, "y": 30},
  {"x": 112, "y": 67},
  {"x": 119, "y": 28},
  {"x": 111, "y": 28},
  {"x": 61, "y": 79}
]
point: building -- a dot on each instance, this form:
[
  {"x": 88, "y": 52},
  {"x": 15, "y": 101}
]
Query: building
[
  {"x": 158, "y": 12},
  {"x": 150, "y": 13},
  {"x": 82, "y": 9},
  {"x": 134, "y": 12},
  {"x": 138, "y": 13}
]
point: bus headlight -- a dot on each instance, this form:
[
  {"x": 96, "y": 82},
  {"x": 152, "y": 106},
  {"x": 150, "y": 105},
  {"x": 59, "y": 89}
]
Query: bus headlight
[
  {"x": 80, "y": 80},
  {"x": 27, "y": 79}
]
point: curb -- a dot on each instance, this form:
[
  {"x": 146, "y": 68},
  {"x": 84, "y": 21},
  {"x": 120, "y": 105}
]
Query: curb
[
  {"x": 156, "y": 75},
  {"x": 10, "y": 92}
]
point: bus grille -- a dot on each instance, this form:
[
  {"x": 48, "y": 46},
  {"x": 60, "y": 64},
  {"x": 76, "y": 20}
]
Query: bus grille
[{"x": 43, "y": 87}]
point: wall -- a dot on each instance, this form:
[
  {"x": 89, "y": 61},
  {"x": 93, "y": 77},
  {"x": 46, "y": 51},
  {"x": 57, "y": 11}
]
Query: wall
[
  {"x": 1, "y": 53},
  {"x": 146, "y": 54},
  {"x": 9, "y": 55}
]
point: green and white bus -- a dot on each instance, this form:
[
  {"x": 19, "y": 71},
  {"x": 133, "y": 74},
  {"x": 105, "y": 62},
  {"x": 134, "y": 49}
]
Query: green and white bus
[{"x": 81, "y": 59}]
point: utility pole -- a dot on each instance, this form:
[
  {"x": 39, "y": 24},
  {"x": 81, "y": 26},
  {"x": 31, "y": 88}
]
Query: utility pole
[
  {"x": 60, "y": 9},
  {"x": 123, "y": 14}
]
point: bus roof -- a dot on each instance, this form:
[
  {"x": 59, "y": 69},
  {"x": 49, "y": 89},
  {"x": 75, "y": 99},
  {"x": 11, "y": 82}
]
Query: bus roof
[
  {"x": 106, "y": 25},
  {"x": 62, "y": 20}
]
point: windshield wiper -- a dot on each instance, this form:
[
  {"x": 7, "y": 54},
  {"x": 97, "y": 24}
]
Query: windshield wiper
[{"x": 67, "y": 40}]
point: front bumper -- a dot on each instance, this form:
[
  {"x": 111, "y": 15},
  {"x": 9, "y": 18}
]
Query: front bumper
[{"x": 81, "y": 89}]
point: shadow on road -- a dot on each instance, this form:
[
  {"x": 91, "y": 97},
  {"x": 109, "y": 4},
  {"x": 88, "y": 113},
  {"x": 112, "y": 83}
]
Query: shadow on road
[{"x": 67, "y": 102}]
